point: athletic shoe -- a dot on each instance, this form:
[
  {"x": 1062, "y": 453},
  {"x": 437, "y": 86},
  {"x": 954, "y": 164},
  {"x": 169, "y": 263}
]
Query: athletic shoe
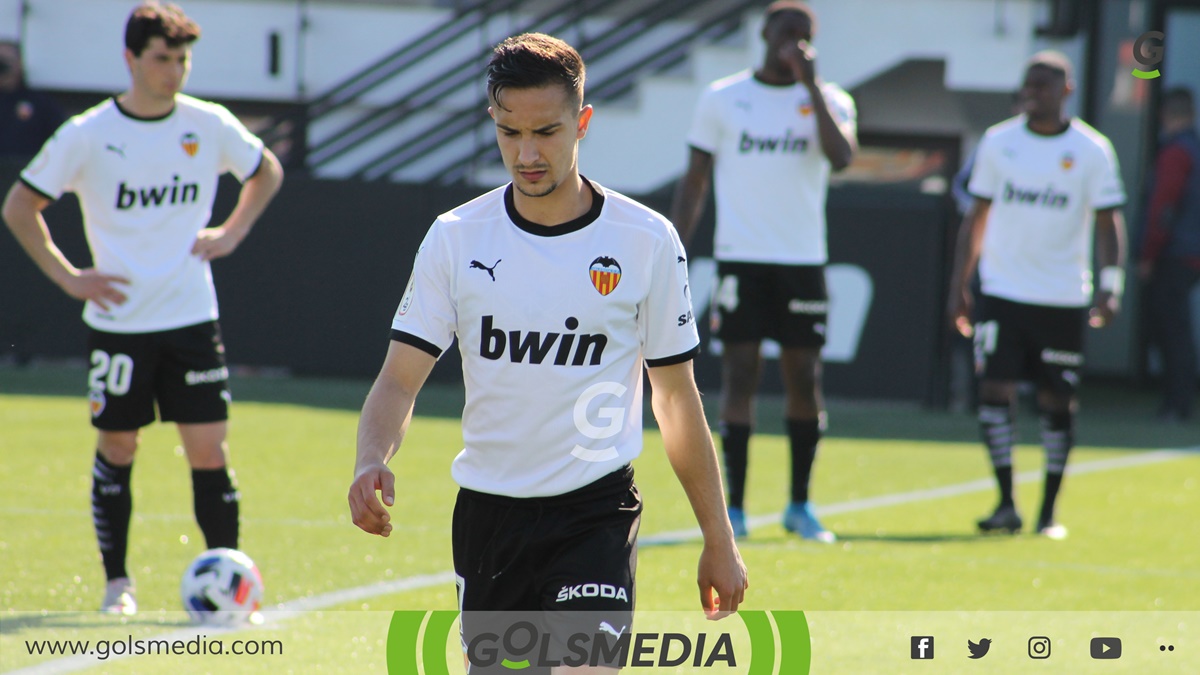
[
  {"x": 1005, "y": 519},
  {"x": 737, "y": 518},
  {"x": 799, "y": 518},
  {"x": 118, "y": 598},
  {"x": 1052, "y": 530}
]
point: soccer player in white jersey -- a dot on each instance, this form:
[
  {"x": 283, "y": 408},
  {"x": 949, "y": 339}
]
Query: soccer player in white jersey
[
  {"x": 1047, "y": 190},
  {"x": 144, "y": 165},
  {"x": 560, "y": 292},
  {"x": 769, "y": 139}
]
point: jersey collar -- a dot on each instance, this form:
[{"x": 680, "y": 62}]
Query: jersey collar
[
  {"x": 557, "y": 230},
  {"x": 139, "y": 118}
]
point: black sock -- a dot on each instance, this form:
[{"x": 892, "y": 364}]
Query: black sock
[
  {"x": 215, "y": 499},
  {"x": 803, "y": 437},
  {"x": 1058, "y": 437},
  {"x": 999, "y": 435},
  {"x": 112, "y": 504},
  {"x": 735, "y": 444}
]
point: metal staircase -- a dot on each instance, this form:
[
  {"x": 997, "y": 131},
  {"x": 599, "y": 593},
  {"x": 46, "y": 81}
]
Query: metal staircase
[{"x": 433, "y": 126}]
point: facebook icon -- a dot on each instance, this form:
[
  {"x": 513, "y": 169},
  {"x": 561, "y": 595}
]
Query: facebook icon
[{"x": 922, "y": 647}]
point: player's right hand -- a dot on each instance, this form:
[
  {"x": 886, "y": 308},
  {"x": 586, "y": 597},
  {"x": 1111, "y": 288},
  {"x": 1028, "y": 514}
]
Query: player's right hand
[
  {"x": 366, "y": 511},
  {"x": 92, "y": 284},
  {"x": 958, "y": 310}
]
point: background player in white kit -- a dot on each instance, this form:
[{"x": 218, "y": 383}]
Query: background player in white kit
[
  {"x": 771, "y": 138},
  {"x": 1040, "y": 182},
  {"x": 558, "y": 291},
  {"x": 144, "y": 166}
]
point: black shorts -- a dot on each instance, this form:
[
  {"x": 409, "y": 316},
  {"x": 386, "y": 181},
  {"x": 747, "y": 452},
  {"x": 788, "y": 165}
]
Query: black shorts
[
  {"x": 569, "y": 560},
  {"x": 1017, "y": 341},
  {"x": 787, "y": 303},
  {"x": 181, "y": 370}
]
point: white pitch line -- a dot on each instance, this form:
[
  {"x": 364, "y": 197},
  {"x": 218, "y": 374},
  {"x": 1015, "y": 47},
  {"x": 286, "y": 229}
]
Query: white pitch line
[
  {"x": 899, "y": 498},
  {"x": 292, "y": 609}
]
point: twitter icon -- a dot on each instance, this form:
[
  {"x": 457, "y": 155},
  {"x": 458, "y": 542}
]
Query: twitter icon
[{"x": 979, "y": 649}]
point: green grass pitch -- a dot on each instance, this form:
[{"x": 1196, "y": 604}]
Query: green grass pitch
[{"x": 900, "y": 486}]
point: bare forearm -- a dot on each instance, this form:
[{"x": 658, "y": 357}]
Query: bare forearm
[
  {"x": 837, "y": 148},
  {"x": 1110, "y": 239},
  {"x": 968, "y": 246},
  {"x": 690, "y": 450},
  {"x": 31, "y": 232},
  {"x": 687, "y": 207},
  {"x": 256, "y": 194},
  {"x": 385, "y": 418}
]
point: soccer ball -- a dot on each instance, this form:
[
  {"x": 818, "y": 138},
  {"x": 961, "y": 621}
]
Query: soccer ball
[{"x": 221, "y": 587}]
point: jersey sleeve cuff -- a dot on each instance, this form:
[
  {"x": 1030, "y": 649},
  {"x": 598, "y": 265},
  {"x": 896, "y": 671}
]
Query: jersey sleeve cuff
[
  {"x": 674, "y": 360},
  {"x": 261, "y": 156},
  {"x": 700, "y": 146},
  {"x": 979, "y": 195},
  {"x": 1105, "y": 207},
  {"x": 414, "y": 341},
  {"x": 31, "y": 186}
]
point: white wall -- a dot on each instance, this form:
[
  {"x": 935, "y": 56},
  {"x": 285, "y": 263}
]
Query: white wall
[
  {"x": 10, "y": 15},
  {"x": 77, "y": 45}
]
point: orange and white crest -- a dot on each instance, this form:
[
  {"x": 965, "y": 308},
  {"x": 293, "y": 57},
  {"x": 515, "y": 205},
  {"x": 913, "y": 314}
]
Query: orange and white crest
[
  {"x": 606, "y": 274},
  {"x": 190, "y": 144}
]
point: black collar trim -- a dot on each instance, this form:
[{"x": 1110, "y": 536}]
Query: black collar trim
[
  {"x": 554, "y": 230},
  {"x": 139, "y": 118}
]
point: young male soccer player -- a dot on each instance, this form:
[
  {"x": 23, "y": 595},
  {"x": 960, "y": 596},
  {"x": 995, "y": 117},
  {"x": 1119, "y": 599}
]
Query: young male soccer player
[
  {"x": 771, "y": 138},
  {"x": 145, "y": 165},
  {"x": 1040, "y": 180},
  {"x": 559, "y": 291}
]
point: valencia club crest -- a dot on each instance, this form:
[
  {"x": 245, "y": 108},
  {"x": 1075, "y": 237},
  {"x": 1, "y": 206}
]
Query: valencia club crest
[
  {"x": 190, "y": 143},
  {"x": 606, "y": 274}
]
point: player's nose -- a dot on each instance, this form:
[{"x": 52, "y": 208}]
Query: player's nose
[{"x": 528, "y": 153}]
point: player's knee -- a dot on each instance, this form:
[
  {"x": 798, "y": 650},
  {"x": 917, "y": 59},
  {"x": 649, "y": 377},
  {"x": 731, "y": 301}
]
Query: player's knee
[
  {"x": 117, "y": 447},
  {"x": 207, "y": 456}
]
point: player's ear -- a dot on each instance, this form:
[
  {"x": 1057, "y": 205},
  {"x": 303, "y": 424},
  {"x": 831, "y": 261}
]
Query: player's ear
[
  {"x": 492, "y": 112},
  {"x": 129, "y": 59},
  {"x": 585, "y": 118}
]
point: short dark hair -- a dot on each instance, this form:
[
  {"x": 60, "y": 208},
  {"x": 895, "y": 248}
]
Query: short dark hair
[
  {"x": 151, "y": 19},
  {"x": 1178, "y": 102},
  {"x": 791, "y": 6},
  {"x": 1054, "y": 61},
  {"x": 532, "y": 60}
]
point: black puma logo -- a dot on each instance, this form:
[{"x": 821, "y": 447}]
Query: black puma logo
[{"x": 476, "y": 265}]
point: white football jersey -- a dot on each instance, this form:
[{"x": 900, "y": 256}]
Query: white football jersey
[
  {"x": 553, "y": 324},
  {"x": 146, "y": 188},
  {"x": 1044, "y": 190},
  {"x": 771, "y": 175}
]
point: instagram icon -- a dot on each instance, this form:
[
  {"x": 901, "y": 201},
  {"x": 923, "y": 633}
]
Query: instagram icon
[{"x": 1039, "y": 647}]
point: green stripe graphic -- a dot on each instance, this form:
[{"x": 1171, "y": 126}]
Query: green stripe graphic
[
  {"x": 402, "y": 641},
  {"x": 795, "y": 643},
  {"x": 433, "y": 648},
  {"x": 762, "y": 642}
]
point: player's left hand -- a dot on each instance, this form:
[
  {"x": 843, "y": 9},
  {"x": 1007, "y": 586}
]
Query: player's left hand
[
  {"x": 802, "y": 57},
  {"x": 215, "y": 242},
  {"x": 366, "y": 509},
  {"x": 723, "y": 580},
  {"x": 1106, "y": 307}
]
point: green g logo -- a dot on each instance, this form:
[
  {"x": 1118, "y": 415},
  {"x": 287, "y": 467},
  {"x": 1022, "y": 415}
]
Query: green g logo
[{"x": 1148, "y": 51}]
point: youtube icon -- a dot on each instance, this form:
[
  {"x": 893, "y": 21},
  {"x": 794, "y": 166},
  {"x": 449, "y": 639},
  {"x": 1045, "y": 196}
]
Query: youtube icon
[{"x": 1106, "y": 648}]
